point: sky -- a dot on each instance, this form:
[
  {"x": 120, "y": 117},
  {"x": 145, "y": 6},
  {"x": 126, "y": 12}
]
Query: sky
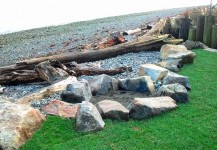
[{"x": 18, "y": 15}]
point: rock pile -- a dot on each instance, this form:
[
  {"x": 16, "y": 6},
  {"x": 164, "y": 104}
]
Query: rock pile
[{"x": 89, "y": 118}]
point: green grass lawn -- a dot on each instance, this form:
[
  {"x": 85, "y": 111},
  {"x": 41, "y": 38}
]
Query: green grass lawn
[{"x": 192, "y": 126}]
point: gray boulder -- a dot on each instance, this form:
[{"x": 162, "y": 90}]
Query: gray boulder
[
  {"x": 103, "y": 84},
  {"x": 112, "y": 110},
  {"x": 142, "y": 84},
  {"x": 169, "y": 49},
  {"x": 172, "y": 78},
  {"x": 155, "y": 72},
  {"x": 177, "y": 52},
  {"x": 176, "y": 91},
  {"x": 142, "y": 108},
  {"x": 88, "y": 118},
  {"x": 77, "y": 92},
  {"x": 193, "y": 45},
  {"x": 186, "y": 57},
  {"x": 171, "y": 64}
]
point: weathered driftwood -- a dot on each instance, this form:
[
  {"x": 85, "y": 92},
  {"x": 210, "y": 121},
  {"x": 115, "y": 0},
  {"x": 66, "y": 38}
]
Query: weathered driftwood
[
  {"x": 94, "y": 71},
  {"x": 47, "y": 91},
  {"x": 52, "y": 72},
  {"x": 14, "y": 67},
  {"x": 173, "y": 41},
  {"x": 131, "y": 32},
  {"x": 141, "y": 44},
  {"x": 49, "y": 73},
  {"x": 157, "y": 29},
  {"x": 20, "y": 76}
]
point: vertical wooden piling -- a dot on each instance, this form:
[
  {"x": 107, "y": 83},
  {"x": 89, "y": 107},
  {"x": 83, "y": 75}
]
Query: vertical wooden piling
[
  {"x": 174, "y": 31},
  {"x": 192, "y": 34},
  {"x": 167, "y": 27},
  {"x": 200, "y": 28},
  {"x": 207, "y": 34},
  {"x": 185, "y": 24},
  {"x": 214, "y": 37}
]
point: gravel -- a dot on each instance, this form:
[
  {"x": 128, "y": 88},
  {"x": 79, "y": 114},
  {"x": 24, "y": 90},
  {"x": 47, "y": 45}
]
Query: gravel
[{"x": 133, "y": 60}]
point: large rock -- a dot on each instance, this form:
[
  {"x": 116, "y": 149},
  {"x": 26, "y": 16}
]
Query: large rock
[
  {"x": 176, "y": 78},
  {"x": 102, "y": 84},
  {"x": 187, "y": 57},
  {"x": 142, "y": 84},
  {"x": 177, "y": 52},
  {"x": 176, "y": 91},
  {"x": 17, "y": 123},
  {"x": 172, "y": 64},
  {"x": 155, "y": 72},
  {"x": 112, "y": 110},
  {"x": 60, "y": 108},
  {"x": 142, "y": 108},
  {"x": 77, "y": 92},
  {"x": 194, "y": 45},
  {"x": 88, "y": 118},
  {"x": 169, "y": 49}
]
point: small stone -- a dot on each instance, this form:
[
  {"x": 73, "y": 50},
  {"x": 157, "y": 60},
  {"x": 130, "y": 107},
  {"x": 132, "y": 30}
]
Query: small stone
[
  {"x": 142, "y": 108},
  {"x": 2, "y": 89},
  {"x": 176, "y": 91},
  {"x": 112, "y": 110},
  {"x": 88, "y": 118}
]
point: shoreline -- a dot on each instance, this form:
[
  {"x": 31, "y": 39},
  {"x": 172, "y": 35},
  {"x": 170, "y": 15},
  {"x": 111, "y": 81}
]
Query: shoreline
[{"x": 64, "y": 38}]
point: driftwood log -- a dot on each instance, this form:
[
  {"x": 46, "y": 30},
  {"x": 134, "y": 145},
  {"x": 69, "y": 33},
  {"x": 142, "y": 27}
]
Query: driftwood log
[
  {"x": 141, "y": 44},
  {"x": 145, "y": 43},
  {"x": 20, "y": 76},
  {"x": 46, "y": 72}
]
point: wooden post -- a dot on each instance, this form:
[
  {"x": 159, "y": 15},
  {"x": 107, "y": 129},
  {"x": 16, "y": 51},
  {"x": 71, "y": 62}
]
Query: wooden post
[
  {"x": 200, "y": 28},
  {"x": 184, "y": 28},
  {"x": 207, "y": 34},
  {"x": 167, "y": 27},
  {"x": 214, "y": 37},
  {"x": 192, "y": 34},
  {"x": 174, "y": 27}
]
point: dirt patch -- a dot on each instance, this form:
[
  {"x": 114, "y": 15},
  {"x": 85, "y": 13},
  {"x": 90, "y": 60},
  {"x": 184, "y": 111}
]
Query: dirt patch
[{"x": 123, "y": 97}]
